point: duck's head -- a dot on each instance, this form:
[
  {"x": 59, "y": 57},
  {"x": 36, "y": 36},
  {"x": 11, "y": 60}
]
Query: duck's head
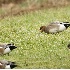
[{"x": 42, "y": 28}]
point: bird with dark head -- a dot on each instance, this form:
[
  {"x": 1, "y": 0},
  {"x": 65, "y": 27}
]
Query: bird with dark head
[
  {"x": 7, "y": 48},
  {"x": 42, "y": 28},
  {"x": 55, "y": 27},
  {"x": 4, "y": 64}
]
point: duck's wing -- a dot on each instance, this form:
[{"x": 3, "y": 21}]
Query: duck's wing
[
  {"x": 4, "y": 45},
  {"x": 4, "y": 61}
]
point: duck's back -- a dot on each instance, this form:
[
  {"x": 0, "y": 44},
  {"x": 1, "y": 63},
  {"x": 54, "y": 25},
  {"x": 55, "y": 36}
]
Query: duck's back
[{"x": 52, "y": 28}]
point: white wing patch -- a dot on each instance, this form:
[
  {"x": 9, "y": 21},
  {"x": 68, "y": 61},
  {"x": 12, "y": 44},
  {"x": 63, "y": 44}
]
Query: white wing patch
[
  {"x": 7, "y": 50},
  {"x": 7, "y": 67},
  {"x": 61, "y": 27},
  {"x": 1, "y": 47}
]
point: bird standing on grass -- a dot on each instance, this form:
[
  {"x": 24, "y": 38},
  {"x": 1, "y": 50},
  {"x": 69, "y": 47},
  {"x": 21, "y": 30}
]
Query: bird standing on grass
[
  {"x": 55, "y": 27},
  {"x": 6, "y": 48},
  {"x": 4, "y": 64}
]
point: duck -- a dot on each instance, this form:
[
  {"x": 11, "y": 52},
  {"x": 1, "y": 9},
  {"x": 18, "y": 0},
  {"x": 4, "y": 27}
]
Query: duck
[
  {"x": 6, "y": 48},
  {"x": 4, "y": 64},
  {"x": 55, "y": 27}
]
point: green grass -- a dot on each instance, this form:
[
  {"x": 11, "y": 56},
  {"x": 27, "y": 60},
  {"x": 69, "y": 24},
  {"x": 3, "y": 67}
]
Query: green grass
[{"x": 35, "y": 49}]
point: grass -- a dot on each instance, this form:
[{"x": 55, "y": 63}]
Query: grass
[
  {"x": 35, "y": 49},
  {"x": 14, "y": 7}
]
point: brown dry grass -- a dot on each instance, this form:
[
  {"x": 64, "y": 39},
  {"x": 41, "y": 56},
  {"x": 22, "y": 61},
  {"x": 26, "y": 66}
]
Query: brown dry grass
[{"x": 13, "y": 8}]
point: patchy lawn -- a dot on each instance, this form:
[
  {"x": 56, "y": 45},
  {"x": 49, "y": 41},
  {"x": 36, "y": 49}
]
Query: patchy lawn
[{"x": 35, "y": 49}]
